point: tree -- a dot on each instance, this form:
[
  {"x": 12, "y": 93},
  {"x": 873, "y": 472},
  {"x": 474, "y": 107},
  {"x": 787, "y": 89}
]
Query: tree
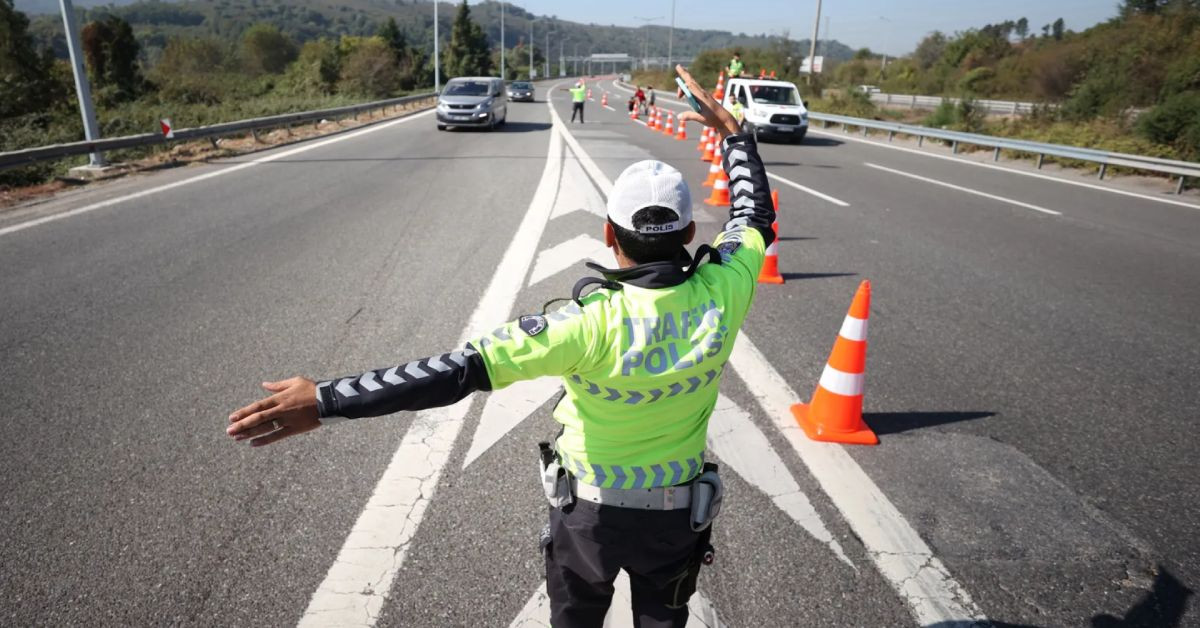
[
  {"x": 26, "y": 85},
  {"x": 1022, "y": 28},
  {"x": 265, "y": 50},
  {"x": 930, "y": 50},
  {"x": 1058, "y": 29},
  {"x": 370, "y": 69},
  {"x": 391, "y": 35},
  {"x": 316, "y": 70},
  {"x": 111, "y": 51},
  {"x": 468, "y": 53}
]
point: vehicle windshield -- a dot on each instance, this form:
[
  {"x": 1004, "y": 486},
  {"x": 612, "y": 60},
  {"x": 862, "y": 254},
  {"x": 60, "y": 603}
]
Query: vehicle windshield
[
  {"x": 522, "y": 86},
  {"x": 467, "y": 88},
  {"x": 775, "y": 94}
]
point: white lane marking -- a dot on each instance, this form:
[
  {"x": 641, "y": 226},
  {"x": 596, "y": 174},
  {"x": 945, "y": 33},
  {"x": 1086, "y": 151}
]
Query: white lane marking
[
  {"x": 208, "y": 175},
  {"x": 536, "y": 612},
  {"x": 736, "y": 440},
  {"x": 506, "y": 408},
  {"x": 577, "y": 193},
  {"x": 898, "y": 552},
  {"x": 963, "y": 189},
  {"x": 820, "y": 195},
  {"x": 562, "y": 256},
  {"x": 357, "y": 584},
  {"x": 892, "y": 544},
  {"x": 1036, "y": 175},
  {"x": 609, "y": 108}
]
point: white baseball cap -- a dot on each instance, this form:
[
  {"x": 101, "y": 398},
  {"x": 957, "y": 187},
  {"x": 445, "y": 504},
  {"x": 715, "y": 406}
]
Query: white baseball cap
[{"x": 650, "y": 183}]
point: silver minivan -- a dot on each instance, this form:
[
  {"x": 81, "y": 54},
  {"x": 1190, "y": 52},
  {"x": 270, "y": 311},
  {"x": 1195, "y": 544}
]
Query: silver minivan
[{"x": 472, "y": 101}]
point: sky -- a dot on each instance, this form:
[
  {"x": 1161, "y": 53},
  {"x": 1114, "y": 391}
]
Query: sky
[{"x": 891, "y": 26}]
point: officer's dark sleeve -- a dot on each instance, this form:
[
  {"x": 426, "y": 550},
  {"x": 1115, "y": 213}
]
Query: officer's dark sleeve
[
  {"x": 429, "y": 383},
  {"x": 749, "y": 192}
]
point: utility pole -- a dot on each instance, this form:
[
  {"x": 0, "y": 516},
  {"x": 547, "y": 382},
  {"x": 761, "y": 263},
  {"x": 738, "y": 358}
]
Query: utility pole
[
  {"x": 546, "y": 53},
  {"x": 437, "y": 57},
  {"x": 91, "y": 130},
  {"x": 531, "y": 49},
  {"x": 646, "y": 38},
  {"x": 576, "y": 55},
  {"x": 502, "y": 75},
  {"x": 671, "y": 37},
  {"x": 812, "y": 46},
  {"x": 562, "y": 69}
]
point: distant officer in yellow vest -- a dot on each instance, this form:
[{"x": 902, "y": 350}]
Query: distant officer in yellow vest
[
  {"x": 578, "y": 97},
  {"x": 736, "y": 67}
]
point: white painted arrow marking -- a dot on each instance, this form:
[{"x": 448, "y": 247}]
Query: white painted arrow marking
[
  {"x": 736, "y": 440},
  {"x": 563, "y": 256},
  {"x": 536, "y": 613},
  {"x": 506, "y": 408},
  {"x": 576, "y": 192}
]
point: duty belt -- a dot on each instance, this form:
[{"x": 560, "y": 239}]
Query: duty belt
[{"x": 661, "y": 498}]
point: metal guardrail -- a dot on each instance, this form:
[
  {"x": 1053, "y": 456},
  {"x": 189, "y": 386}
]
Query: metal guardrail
[
  {"x": 28, "y": 156},
  {"x": 933, "y": 102},
  {"x": 1182, "y": 169}
]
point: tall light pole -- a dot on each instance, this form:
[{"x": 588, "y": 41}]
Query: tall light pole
[
  {"x": 671, "y": 36},
  {"x": 547, "y": 51},
  {"x": 562, "y": 69},
  {"x": 502, "y": 75},
  {"x": 812, "y": 46},
  {"x": 437, "y": 57},
  {"x": 531, "y": 49},
  {"x": 646, "y": 37},
  {"x": 576, "y": 55},
  {"x": 91, "y": 130},
  {"x": 883, "y": 63}
]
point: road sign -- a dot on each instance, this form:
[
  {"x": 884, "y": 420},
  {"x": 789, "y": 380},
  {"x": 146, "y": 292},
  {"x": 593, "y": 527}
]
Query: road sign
[
  {"x": 804, "y": 65},
  {"x": 167, "y": 130}
]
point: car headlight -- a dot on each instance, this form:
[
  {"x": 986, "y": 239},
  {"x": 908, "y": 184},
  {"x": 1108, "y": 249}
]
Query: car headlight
[{"x": 485, "y": 104}]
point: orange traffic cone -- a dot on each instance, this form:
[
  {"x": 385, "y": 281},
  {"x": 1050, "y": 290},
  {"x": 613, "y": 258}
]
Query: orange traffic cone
[
  {"x": 720, "y": 193},
  {"x": 682, "y": 134},
  {"x": 604, "y": 99},
  {"x": 633, "y": 115},
  {"x": 715, "y": 169},
  {"x": 719, "y": 92},
  {"x": 770, "y": 268},
  {"x": 772, "y": 73},
  {"x": 713, "y": 145},
  {"x": 589, "y": 95},
  {"x": 835, "y": 412},
  {"x": 669, "y": 129},
  {"x": 762, "y": 73},
  {"x": 703, "y": 141},
  {"x": 653, "y": 125}
]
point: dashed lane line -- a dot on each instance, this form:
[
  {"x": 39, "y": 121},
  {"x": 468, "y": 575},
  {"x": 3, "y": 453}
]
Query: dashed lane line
[
  {"x": 357, "y": 584},
  {"x": 963, "y": 189},
  {"x": 898, "y": 552},
  {"x": 208, "y": 175},
  {"x": 808, "y": 190}
]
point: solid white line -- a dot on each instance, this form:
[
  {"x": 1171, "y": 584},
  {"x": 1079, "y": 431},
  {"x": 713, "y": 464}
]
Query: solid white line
[
  {"x": 1036, "y": 175},
  {"x": 963, "y": 189},
  {"x": 357, "y": 584},
  {"x": 208, "y": 175},
  {"x": 802, "y": 188},
  {"x": 898, "y": 552},
  {"x": 933, "y": 595}
]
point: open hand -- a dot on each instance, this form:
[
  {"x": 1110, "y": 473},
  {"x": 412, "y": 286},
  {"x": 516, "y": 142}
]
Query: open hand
[
  {"x": 291, "y": 410},
  {"x": 711, "y": 113}
]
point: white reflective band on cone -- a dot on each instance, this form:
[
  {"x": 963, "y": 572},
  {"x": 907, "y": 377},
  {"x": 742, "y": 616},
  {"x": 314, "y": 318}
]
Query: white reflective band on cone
[
  {"x": 771, "y": 249},
  {"x": 842, "y": 383},
  {"x": 854, "y": 328}
]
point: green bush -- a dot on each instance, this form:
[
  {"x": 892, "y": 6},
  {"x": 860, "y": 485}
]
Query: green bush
[{"x": 1176, "y": 122}]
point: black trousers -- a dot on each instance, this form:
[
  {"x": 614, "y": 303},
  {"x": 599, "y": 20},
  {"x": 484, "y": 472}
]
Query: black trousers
[
  {"x": 577, "y": 108},
  {"x": 590, "y": 543}
]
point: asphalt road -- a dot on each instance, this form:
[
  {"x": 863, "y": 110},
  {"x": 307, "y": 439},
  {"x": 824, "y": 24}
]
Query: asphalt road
[{"x": 1031, "y": 375}]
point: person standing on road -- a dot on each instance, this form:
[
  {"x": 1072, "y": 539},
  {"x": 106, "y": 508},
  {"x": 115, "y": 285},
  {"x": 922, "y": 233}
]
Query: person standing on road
[
  {"x": 641, "y": 359},
  {"x": 578, "y": 97},
  {"x": 736, "y": 67}
]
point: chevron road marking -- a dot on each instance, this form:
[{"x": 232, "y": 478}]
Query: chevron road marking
[
  {"x": 567, "y": 254},
  {"x": 208, "y": 175},
  {"x": 357, "y": 584},
  {"x": 898, "y": 552},
  {"x": 505, "y": 409},
  {"x": 742, "y": 447},
  {"x": 536, "y": 613}
]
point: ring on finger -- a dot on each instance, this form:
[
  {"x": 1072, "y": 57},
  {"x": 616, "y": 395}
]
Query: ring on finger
[{"x": 275, "y": 424}]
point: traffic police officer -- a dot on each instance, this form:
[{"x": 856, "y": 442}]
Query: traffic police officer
[
  {"x": 578, "y": 96},
  {"x": 641, "y": 357},
  {"x": 736, "y": 67}
]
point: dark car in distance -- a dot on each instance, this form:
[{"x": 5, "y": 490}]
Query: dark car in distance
[{"x": 520, "y": 91}]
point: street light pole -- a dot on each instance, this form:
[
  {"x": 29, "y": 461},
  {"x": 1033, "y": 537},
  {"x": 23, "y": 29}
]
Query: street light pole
[
  {"x": 502, "y": 75},
  {"x": 646, "y": 38},
  {"x": 531, "y": 49},
  {"x": 437, "y": 57},
  {"x": 671, "y": 36},
  {"x": 812, "y": 46},
  {"x": 91, "y": 130},
  {"x": 576, "y": 55}
]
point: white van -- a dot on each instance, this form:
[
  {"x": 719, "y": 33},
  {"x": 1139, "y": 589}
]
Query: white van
[{"x": 770, "y": 108}]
